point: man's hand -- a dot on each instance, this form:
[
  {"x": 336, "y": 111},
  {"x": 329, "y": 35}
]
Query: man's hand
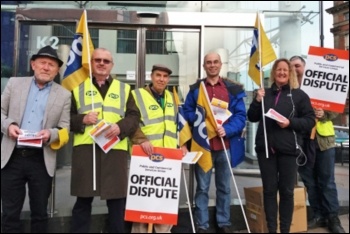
[
  {"x": 45, "y": 135},
  {"x": 184, "y": 150},
  {"x": 147, "y": 147},
  {"x": 319, "y": 113},
  {"x": 91, "y": 118},
  {"x": 14, "y": 131},
  {"x": 221, "y": 131},
  {"x": 113, "y": 131}
]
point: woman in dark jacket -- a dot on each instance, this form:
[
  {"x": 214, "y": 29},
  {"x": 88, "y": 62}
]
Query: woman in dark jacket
[{"x": 278, "y": 167}]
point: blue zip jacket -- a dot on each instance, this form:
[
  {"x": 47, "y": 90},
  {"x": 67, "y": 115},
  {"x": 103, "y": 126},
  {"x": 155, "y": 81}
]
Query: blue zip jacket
[{"x": 234, "y": 125}]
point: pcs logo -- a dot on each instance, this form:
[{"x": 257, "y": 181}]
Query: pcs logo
[
  {"x": 156, "y": 158},
  {"x": 113, "y": 96},
  {"x": 330, "y": 57},
  {"x": 153, "y": 107},
  {"x": 88, "y": 93}
]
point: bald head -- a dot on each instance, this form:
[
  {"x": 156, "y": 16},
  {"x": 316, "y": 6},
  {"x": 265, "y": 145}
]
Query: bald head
[{"x": 212, "y": 65}]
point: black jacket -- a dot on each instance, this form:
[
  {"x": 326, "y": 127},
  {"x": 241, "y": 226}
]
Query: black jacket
[{"x": 293, "y": 104}]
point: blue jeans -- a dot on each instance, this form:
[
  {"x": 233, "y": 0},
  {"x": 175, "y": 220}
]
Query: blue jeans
[
  {"x": 223, "y": 191},
  {"x": 320, "y": 184}
]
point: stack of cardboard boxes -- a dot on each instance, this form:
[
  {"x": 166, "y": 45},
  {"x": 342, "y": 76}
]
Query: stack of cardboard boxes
[{"x": 256, "y": 215}]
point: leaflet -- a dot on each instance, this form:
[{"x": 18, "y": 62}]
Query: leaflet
[
  {"x": 220, "y": 110},
  {"x": 28, "y": 138},
  {"x": 275, "y": 115},
  {"x": 97, "y": 133},
  {"x": 192, "y": 157}
]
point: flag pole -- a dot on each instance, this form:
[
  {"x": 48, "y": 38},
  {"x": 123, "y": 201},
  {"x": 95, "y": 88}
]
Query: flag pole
[
  {"x": 177, "y": 102},
  {"x": 188, "y": 200},
  {"x": 86, "y": 38},
  {"x": 262, "y": 86},
  {"x": 228, "y": 161},
  {"x": 235, "y": 184}
]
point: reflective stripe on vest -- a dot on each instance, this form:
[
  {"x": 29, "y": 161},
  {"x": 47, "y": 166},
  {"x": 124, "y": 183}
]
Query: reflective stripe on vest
[
  {"x": 111, "y": 108},
  {"x": 157, "y": 124},
  {"x": 325, "y": 128}
]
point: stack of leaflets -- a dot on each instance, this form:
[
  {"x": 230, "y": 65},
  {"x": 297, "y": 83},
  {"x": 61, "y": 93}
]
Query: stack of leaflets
[
  {"x": 98, "y": 135},
  {"x": 220, "y": 110},
  {"x": 28, "y": 138},
  {"x": 275, "y": 115},
  {"x": 192, "y": 157}
]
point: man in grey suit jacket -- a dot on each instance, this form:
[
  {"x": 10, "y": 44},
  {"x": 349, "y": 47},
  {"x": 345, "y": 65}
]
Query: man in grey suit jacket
[{"x": 38, "y": 105}]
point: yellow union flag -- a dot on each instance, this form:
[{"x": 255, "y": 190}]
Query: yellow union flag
[
  {"x": 79, "y": 57},
  {"x": 183, "y": 128},
  {"x": 267, "y": 53},
  {"x": 204, "y": 129}
]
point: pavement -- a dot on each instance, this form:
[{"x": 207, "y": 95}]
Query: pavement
[{"x": 63, "y": 202}]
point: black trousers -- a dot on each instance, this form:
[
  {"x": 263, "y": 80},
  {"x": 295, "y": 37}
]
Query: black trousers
[
  {"x": 25, "y": 167},
  {"x": 278, "y": 174},
  {"x": 81, "y": 215}
]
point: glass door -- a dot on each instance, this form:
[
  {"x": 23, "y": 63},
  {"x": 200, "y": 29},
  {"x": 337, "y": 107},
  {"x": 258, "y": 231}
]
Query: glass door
[{"x": 135, "y": 50}]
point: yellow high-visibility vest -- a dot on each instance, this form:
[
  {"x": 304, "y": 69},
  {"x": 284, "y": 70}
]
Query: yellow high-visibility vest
[
  {"x": 325, "y": 128},
  {"x": 112, "y": 108},
  {"x": 158, "y": 124}
]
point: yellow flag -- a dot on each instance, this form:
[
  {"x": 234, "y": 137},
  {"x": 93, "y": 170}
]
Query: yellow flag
[
  {"x": 203, "y": 129},
  {"x": 79, "y": 57},
  {"x": 203, "y": 100},
  {"x": 183, "y": 128},
  {"x": 267, "y": 53}
]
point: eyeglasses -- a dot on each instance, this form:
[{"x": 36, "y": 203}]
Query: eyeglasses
[{"x": 104, "y": 61}]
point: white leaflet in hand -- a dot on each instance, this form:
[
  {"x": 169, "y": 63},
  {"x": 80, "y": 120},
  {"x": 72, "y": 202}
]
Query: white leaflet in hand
[
  {"x": 28, "y": 138},
  {"x": 220, "y": 111},
  {"x": 97, "y": 133},
  {"x": 192, "y": 157},
  {"x": 275, "y": 116}
]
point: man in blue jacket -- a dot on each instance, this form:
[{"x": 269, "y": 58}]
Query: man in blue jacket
[{"x": 231, "y": 93}]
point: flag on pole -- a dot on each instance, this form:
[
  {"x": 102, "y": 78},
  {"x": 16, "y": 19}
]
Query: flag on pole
[
  {"x": 183, "y": 128},
  {"x": 266, "y": 52},
  {"x": 79, "y": 56},
  {"x": 204, "y": 128},
  {"x": 203, "y": 100}
]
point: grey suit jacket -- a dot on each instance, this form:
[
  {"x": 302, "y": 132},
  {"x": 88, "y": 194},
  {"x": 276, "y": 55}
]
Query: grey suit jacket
[{"x": 13, "y": 103}]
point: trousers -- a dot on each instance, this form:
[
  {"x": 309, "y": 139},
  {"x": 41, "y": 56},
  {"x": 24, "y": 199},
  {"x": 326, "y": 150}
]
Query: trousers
[
  {"x": 26, "y": 167},
  {"x": 81, "y": 215},
  {"x": 278, "y": 174}
]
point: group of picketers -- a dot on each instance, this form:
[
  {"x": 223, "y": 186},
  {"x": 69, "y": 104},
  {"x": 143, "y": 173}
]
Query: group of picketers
[{"x": 41, "y": 106}]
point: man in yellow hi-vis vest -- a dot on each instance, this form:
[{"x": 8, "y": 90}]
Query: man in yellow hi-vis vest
[
  {"x": 158, "y": 123},
  {"x": 111, "y": 100},
  {"x": 318, "y": 176}
]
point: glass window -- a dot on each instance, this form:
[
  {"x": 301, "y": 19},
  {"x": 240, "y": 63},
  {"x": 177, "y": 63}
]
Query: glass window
[
  {"x": 65, "y": 34},
  {"x": 126, "y": 41},
  {"x": 156, "y": 42}
]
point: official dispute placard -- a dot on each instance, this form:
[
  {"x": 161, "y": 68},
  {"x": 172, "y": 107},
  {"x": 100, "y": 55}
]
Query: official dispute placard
[
  {"x": 326, "y": 78},
  {"x": 154, "y": 186}
]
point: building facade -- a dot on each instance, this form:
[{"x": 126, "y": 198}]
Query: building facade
[{"x": 340, "y": 31}]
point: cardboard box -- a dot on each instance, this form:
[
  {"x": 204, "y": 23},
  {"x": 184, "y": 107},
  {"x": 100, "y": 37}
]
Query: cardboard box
[{"x": 256, "y": 215}]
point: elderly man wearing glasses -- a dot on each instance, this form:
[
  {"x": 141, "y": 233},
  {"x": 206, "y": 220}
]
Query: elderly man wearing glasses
[{"x": 110, "y": 100}]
